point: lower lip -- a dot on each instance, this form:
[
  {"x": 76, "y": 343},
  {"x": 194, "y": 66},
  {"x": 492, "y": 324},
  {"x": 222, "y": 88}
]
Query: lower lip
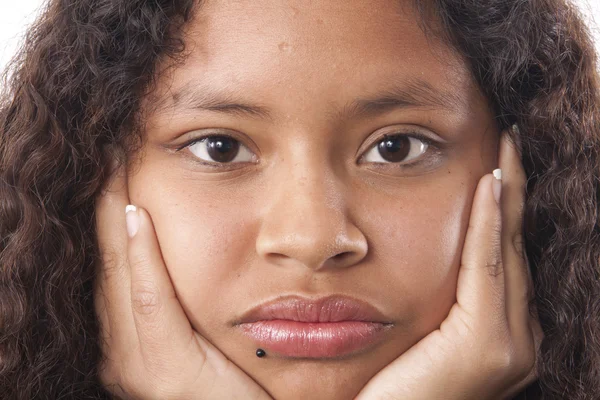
[{"x": 314, "y": 339}]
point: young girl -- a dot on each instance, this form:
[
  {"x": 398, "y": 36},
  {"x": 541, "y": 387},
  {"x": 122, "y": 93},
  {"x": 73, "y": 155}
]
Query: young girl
[{"x": 325, "y": 200}]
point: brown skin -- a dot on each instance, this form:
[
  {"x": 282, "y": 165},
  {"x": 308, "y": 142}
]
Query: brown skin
[{"x": 242, "y": 234}]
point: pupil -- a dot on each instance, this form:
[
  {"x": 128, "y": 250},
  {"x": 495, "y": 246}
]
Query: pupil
[
  {"x": 222, "y": 149},
  {"x": 394, "y": 149}
]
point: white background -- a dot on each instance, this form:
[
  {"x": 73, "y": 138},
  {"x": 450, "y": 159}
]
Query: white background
[{"x": 15, "y": 15}]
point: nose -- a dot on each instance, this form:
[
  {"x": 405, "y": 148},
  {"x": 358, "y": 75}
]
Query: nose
[{"x": 305, "y": 223}]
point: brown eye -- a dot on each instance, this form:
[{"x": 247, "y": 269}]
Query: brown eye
[
  {"x": 396, "y": 149},
  {"x": 219, "y": 149}
]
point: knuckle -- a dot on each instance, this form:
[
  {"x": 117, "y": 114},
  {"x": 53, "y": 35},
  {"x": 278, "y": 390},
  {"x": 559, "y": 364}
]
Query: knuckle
[
  {"x": 112, "y": 266},
  {"x": 107, "y": 241},
  {"x": 145, "y": 299},
  {"x": 494, "y": 268},
  {"x": 494, "y": 264},
  {"x": 518, "y": 245},
  {"x": 517, "y": 240},
  {"x": 108, "y": 254}
]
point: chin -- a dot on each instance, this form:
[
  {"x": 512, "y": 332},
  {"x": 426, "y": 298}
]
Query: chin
[{"x": 318, "y": 380}]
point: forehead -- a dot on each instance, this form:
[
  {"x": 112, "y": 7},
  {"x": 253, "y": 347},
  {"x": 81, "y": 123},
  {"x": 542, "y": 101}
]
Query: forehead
[{"x": 312, "y": 52}]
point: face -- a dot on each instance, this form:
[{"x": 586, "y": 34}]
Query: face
[{"x": 344, "y": 151}]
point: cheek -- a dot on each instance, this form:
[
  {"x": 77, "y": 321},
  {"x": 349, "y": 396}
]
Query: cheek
[
  {"x": 416, "y": 247},
  {"x": 203, "y": 246}
]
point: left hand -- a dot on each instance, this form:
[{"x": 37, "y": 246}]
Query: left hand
[{"x": 486, "y": 348}]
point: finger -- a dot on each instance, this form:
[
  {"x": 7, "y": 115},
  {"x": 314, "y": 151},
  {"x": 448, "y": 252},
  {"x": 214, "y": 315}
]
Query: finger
[
  {"x": 518, "y": 288},
  {"x": 162, "y": 326},
  {"x": 112, "y": 299},
  {"x": 525, "y": 328},
  {"x": 480, "y": 286}
]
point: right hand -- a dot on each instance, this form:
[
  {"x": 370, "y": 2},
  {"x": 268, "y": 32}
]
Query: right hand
[{"x": 150, "y": 350}]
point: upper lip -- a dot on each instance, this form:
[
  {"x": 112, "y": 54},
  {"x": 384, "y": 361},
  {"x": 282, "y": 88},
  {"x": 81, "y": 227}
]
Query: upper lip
[{"x": 335, "y": 308}]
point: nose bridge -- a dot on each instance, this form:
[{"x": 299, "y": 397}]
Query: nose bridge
[{"x": 304, "y": 220}]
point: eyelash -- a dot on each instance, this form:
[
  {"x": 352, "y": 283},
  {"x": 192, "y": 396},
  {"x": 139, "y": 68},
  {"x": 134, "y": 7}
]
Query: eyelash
[{"x": 431, "y": 144}]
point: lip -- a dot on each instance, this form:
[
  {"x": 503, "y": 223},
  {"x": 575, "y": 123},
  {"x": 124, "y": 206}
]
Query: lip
[{"x": 332, "y": 326}]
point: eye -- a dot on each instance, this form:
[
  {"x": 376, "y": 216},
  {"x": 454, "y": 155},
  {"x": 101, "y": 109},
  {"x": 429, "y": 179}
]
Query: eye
[
  {"x": 213, "y": 150},
  {"x": 398, "y": 148},
  {"x": 219, "y": 149}
]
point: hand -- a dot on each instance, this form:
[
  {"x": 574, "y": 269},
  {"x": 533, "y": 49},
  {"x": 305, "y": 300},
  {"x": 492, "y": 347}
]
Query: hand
[
  {"x": 486, "y": 347},
  {"x": 150, "y": 348}
]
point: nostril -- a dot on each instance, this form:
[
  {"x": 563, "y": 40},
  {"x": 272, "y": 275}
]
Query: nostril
[{"x": 341, "y": 255}]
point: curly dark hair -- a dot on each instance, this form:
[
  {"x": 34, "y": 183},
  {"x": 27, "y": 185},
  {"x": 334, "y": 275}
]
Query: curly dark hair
[{"x": 72, "y": 99}]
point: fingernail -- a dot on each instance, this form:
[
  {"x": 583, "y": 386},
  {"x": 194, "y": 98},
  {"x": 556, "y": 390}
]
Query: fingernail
[
  {"x": 497, "y": 184},
  {"x": 133, "y": 220}
]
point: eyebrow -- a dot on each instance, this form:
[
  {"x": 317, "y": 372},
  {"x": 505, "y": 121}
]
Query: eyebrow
[{"x": 416, "y": 93}]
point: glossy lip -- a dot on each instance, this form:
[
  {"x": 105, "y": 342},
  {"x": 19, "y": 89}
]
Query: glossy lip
[{"x": 300, "y": 327}]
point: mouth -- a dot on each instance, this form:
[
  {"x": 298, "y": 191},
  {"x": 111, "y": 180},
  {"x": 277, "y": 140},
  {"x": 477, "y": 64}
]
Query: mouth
[{"x": 328, "y": 327}]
